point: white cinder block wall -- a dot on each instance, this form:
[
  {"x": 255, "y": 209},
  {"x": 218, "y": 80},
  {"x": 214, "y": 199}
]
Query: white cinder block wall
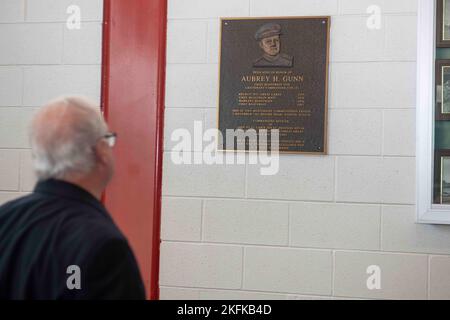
[
  {"x": 308, "y": 232},
  {"x": 40, "y": 58},
  {"x": 312, "y": 230}
]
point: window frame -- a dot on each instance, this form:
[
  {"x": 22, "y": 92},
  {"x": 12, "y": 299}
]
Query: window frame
[{"x": 427, "y": 212}]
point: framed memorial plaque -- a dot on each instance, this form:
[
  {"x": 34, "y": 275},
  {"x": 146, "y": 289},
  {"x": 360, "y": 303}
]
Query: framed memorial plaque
[
  {"x": 274, "y": 75},
  {"x": 443, "y": 23},
  {"x": 443, "y": 90}
]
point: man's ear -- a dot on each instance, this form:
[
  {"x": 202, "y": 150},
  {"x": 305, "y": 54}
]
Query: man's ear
[{"x": 261, "y": 44}]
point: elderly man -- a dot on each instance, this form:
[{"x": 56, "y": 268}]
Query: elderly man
[
  {"x": 60, "y": 242},
  {"x": 268, "y": 36}
]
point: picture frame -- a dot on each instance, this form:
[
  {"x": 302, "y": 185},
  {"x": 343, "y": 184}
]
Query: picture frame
[
  {"x": 442, "y": 83},
  {"x": 443, "y": 23},
  {"x": 441, "y": 193}
]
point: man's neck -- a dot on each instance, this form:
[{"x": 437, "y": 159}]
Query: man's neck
[{"x": 86, "y": 184}]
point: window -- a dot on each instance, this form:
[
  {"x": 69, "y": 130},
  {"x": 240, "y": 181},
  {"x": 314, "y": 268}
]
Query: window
[{"x": 433, "y": 112}]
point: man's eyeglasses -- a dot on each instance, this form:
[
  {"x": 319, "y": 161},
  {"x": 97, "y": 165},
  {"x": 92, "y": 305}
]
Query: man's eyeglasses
[{"x": 111, "y": 138}]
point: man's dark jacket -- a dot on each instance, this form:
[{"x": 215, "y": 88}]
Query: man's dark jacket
[{"x": 46, "y": 236}]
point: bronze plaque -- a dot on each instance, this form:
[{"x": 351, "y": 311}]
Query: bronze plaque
[{"x": 273, "y": 75}]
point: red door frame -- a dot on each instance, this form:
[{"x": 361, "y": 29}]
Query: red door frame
[{"x": 132, "y": 99}]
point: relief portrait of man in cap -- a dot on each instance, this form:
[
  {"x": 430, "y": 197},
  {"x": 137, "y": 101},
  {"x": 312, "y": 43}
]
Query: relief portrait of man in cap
[{"x": 268, "y": 36}]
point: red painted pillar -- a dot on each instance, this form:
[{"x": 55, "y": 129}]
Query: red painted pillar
[{"x": 133, "y": 77}]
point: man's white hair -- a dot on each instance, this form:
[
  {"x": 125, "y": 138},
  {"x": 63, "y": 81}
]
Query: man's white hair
[{"x": 63, "y": 134}]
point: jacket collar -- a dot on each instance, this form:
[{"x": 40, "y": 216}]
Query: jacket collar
[{"x": 69, "y": 191}]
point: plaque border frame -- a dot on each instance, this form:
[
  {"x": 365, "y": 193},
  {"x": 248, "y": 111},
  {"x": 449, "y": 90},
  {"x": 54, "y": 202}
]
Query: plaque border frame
[{"x": 327, "y": 75}]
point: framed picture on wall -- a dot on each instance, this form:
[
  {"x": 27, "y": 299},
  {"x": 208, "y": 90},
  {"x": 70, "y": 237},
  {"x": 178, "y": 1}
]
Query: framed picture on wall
[
  {"x": 442, "y": 177},
  {"x": 441, "y": 193},
  {"x": 445, "y": 180},
  {"x": 443, "y": 90},
  {"x": 443, "y": 23}
]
